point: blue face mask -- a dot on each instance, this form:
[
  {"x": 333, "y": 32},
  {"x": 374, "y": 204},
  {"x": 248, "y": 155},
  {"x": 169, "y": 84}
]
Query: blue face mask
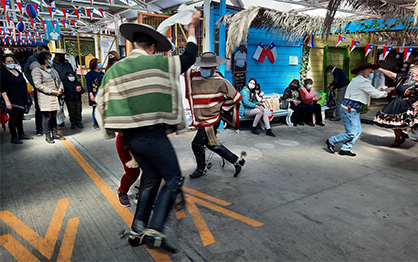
[
  {"x": 309, "y": 86},
  {"x": 371, "y": 76},
  {"x": 100, "y": 65},
  {"x": 205, "y": 72},
  {"x": 51, "y": 63}
]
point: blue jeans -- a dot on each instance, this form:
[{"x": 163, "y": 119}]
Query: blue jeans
[
  {"x": 157, "y": 159},
  {"x": 94, "y": 117},
  {"x": 352, "y": 125}
]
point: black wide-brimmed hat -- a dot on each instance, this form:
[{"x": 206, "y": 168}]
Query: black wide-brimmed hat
[
  {"x": 209, "y": 59},
  {"x": 365, "y": 66},
  {"x": 128, "y": 30}
]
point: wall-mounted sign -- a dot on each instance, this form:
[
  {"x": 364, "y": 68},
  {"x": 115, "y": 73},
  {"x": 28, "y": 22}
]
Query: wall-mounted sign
[{"x": 293, "y": 60}]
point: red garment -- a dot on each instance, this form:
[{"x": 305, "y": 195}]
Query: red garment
[
  {"x": 131, "y": 174},
  {"x": 3, "y": 119},
  {"x": 307, "y": 96}
]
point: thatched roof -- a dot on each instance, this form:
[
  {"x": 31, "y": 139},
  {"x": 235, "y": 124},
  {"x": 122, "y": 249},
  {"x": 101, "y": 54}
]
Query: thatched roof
[{"x": 294, "y": 26}]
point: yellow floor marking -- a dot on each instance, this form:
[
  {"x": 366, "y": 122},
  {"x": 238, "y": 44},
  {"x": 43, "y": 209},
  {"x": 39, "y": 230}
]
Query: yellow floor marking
[
  {"x": 207, "y": 197},
  {"x": 45, "y": 245},
  {"x": 67, "y": 246},
  {"x": 124, "y": 212},
  {"x": 202, "y": 227},
  {"x": 18, "y": 251},
  {"x": 227, "y": 212}
]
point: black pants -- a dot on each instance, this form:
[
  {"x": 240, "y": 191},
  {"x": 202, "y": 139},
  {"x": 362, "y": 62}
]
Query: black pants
[
  {"x": 298, "y": 113},
  {"x": 156, "y": 156},
  {"x": 313, "y": 109},
  {"x": 50, "y": 120},
  {"x": 16, "y": 122},
  {"x": 74, "y": 111},
  {"x": 38, "y": 113},
  {"x": 201, "y": 139}
]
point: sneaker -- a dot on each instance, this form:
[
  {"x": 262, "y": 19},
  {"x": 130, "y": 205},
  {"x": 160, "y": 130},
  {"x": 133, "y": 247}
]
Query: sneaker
[
  {"x": 16, "y": 140},
  {"x": 96, "y": 127},
  {"x": 73, "y": 126},
  {"x": 197, "y": 173},
  {"x": 39, "y": 133},
  {"x": 24, "y": 136},
  {"x": 320, "y": 124},
  {"x": 80, "y": 125},
  {"x": 310, "y": 124},
  {"x": 26, "y": 118},
  {"x": 124, "y": 200}
]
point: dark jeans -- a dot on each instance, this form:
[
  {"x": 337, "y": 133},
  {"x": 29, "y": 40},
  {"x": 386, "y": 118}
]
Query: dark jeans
[
  {"x": 313, "y": 109},
  {"x": 74, "y": 111},
  {"x": 38, "y": 113},
  {"x": 94, "y": 117},
  {"x": 50, "y": 120},
  {"x": 16, "y": 122},
  {"x": 156, "y": 156},
  {"x": 298, "y": 113}
]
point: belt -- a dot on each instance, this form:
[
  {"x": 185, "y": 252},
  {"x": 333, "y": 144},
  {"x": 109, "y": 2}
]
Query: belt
[{"x": 348, "y": 108}]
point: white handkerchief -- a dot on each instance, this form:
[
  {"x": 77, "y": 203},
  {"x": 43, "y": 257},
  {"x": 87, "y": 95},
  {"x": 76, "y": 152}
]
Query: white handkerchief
[{"x": 184, "y": 17}]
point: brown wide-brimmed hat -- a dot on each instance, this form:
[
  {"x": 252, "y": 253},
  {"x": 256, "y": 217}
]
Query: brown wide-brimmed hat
[
  {"x": 365, "y": 66},
  {"x": 209, "y": 59},
  {"x": 128, "y": 30},
  {"x": 59, "y": 51}
]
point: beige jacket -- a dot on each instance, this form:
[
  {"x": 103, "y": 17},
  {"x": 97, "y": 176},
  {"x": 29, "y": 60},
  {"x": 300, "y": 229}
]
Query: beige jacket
[{"x": 45, "y": 84}]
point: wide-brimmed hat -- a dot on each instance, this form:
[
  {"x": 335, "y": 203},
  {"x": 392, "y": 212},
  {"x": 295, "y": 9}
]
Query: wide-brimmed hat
[
  {"x": 365, "y": 66},
  {"x": 209, "y": 59},
  {"x": 59, "y": 51},
  {"x": 128, "y": 30}
]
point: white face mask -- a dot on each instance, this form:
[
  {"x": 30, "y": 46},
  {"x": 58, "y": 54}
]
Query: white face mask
[
  {"x": 71, "y": 78},
  {"x": 10, "y": 66},
  {"x": 251, "y": 86}
]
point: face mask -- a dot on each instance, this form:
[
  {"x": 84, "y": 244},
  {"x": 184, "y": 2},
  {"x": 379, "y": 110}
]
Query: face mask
[
  {"x": 205, "y": 72},
  {"x": 10, "y": 66},
  {"x": 49, "y": 70},
  {"x": 100, "y": 65},
  {"x": 371, "y": 76},
  {"x": 309, "y": 86},
  {"x": 112, "y": 60},
  {"x": 71, "y": 78},
  {"x": 51, "y": 63},
  {"x": 251, "y": 86},
  {"x": 330, "y": 73}
]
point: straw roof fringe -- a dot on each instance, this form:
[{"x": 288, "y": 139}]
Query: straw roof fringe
[
  {"x": 416, "y": 12},
  {"x": 293, "y": 26}
]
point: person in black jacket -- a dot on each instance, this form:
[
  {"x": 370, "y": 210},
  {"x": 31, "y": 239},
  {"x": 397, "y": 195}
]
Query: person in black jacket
[
  {"x": 340, "y": 82},
  {"x": 28, "y": 71},
  {"x": 73, "y": 98},
  {"x": 291, "y": 98},
  {"x": 15, "y": 95}
]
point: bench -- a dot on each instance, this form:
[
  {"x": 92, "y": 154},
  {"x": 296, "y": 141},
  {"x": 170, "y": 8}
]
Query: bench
[{"x": 276, "y": 113}]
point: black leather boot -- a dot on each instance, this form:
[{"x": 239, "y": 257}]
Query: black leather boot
[
  {"x": 48, "y": 137},
  {"x": 199, "y": 153},
  {"x": 230, "y": 157},
  {"x": 56, "y": 136}
]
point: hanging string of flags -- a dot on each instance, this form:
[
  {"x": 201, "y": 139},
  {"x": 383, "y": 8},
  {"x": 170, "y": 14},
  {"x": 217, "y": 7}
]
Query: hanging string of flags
[
  {"x": 406, "y": 50},
  {"x": 261, "y": 53}
]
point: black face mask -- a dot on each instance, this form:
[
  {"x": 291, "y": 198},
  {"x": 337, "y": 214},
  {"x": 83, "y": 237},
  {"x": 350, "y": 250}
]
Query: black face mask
[
  {"x": 112, "y": 60},
  {"x": 61, "y": 59}
]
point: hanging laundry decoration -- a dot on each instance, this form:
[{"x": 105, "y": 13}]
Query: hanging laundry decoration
[
  {"x": 386, "y": 51},
  {"x": 102, "y": 11},
  {"x": 90, "y": 12},
  {"x": 260, "y": 53},
  {"x": 272, "y": 52},
  {"x": 340, "y": 40},
  {"x": 310, "y": 41},
  {"x": 407, "y": 52},
  {"x": 354, "y": 44},
  {"x": 369, "y": 47}
]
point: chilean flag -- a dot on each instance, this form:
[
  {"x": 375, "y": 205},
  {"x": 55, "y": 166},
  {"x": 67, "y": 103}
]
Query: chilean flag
[
  {"x": 386, "y": 51},
  {"x": 369, "y": 47},
  {"x": 90, "y": 12},
  {"x": 354, "y": 44},
  {"x": 407, "y": 52},
  {"x": 260, "y": 53},
  {"x": 271, "y": 52},
  {"x": 340, "y": 40},
  {"x": 310, "y": 41}
]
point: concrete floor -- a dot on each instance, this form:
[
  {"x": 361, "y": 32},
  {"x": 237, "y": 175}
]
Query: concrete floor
[{"x": 294, "y": 201}]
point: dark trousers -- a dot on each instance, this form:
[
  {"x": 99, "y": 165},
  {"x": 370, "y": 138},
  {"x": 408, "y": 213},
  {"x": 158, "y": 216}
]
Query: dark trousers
[
  {"x": 16, "y": 122},
  {"x": 74, "y": 111},
  {"x": 313, "y": 109},
  {"x": 93, "y": 115},
  {"x": 298, "y": 113},
  {"x": 131, "y": 174},
  {"x": 156, "y": 156},
  {"x": 38, "y": 113},
  {"x": 50, "y": 120},
  {"x": 339, "y": 100}
]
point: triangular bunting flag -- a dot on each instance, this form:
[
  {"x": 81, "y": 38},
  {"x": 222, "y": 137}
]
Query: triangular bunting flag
[
  {"x": 102, "y": 11},
  {"x": 9, "y": 19},
  {"x": 74, "y": 23},
  {"x": 386, "y": 51},
  {"x": 64, "y": 22},
  {"x": 90, "y": 12},
  {"x": 78, "y": 12},
  {"x": 19, "y": 4},
  {"x": 310, "y": 41},
  {"x": 369, "y": 47},
  {"x": 53, "y": 23},
  {"x": 43, "y": 24},
  {"x": 52, "y": 11},
  {"x": 127, "y": 2},
  {"x": 65, "y": 12},
  {"x": 110, "y": 1},
  {"x": 354, "y": 44},
  {"x": 407, "y": 52},
  {"x": 5, "y": 3},
  {"x": 33, "y": 22},
  {"x": 91, "y": 1},
  {"x": 340, "y": 40}
]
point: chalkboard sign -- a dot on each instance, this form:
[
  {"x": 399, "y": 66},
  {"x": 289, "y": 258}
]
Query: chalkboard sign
[{"x": 240, "y": 80}]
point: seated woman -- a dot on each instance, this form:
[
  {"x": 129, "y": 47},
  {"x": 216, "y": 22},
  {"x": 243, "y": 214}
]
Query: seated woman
[
  {"x": 250, "y": 107},
  {"x": 291, "y": 98},
  {"x": 309, "y": 100}
]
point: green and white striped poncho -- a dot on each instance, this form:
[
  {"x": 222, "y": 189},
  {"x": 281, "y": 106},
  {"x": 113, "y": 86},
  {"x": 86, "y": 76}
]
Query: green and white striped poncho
[{"x": 141, "y": 90}]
